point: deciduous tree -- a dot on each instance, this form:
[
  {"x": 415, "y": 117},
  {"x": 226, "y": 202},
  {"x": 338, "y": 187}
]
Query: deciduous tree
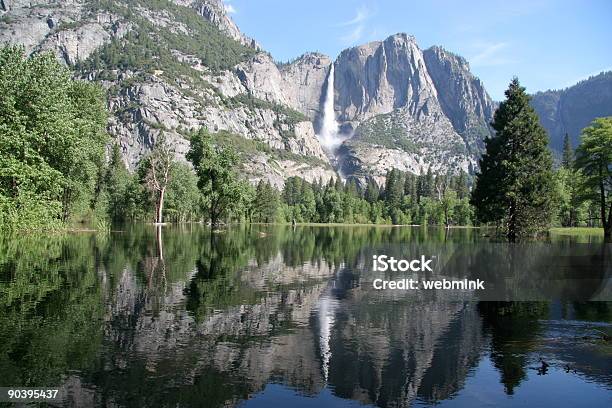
[{"x": 594, "y": 159}]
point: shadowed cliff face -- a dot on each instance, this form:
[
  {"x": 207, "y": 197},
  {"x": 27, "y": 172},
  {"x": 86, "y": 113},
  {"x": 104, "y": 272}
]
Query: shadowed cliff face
[{"x": 572, "y": 109}]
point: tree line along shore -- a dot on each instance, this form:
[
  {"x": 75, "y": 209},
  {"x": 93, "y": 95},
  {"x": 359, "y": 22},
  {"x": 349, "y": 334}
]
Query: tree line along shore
[{"x": 60, "y": 168}]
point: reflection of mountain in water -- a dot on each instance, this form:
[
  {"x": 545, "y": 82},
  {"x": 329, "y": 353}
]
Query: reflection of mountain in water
[
  {"x": 216, "y": 320},
  {"x": 316, "y": 326}
]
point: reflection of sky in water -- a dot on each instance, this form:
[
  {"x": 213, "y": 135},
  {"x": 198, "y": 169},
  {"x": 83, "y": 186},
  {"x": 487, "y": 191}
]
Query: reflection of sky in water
[
  {"x": 276, "y": 395},
  {"x": 482, "y": 389},
  {"x": 555, "y": 389}
]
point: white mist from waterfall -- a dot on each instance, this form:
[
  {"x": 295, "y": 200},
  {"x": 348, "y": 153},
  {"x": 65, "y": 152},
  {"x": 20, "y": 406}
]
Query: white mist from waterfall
[{"x": 329, "y": 135}]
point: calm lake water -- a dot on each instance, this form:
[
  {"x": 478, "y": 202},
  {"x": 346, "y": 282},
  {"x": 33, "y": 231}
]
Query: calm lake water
[{"x": 262, "y": 316}]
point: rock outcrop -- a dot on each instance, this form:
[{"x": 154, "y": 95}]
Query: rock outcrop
[
  {"x": 304, "y": 79},
  {"x": 214, "y": 11},
  {"x": 462, "y": 96}
]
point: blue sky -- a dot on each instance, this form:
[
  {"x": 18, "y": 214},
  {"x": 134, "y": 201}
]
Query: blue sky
[{"x": 548, "y": 44}]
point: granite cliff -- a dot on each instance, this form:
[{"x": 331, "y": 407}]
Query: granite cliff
[{"x": 409, "y": 109}]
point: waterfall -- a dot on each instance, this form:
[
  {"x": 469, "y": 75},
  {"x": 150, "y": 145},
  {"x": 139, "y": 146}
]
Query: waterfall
[{"x": 329, "y": 135}]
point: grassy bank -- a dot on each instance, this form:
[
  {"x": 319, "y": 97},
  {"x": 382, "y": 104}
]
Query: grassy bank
[{"x": 577, "y": 231}]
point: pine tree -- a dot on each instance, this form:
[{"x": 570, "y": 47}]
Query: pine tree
[
  {"x": 265, "y": 205},
  {"x": 568, "y": 153},
  {"x": 461, "y": 185},
  {"x": 410, "y": 186},
  {"x": 425, "y": 184},
  {"x": 394, "y": 189},
  {"x": 372, "y": 192},
  {"x": 515, "y": 185},
  {"x": 115, "y": 182}
]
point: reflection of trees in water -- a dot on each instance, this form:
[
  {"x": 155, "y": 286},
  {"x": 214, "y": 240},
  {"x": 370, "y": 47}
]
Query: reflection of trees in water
[
  {"x": 533, "y": 272},
  {"x": 592, "y": 311},
  {"x": 50, "y": 308},
  {"x": 514, "y": 328}
]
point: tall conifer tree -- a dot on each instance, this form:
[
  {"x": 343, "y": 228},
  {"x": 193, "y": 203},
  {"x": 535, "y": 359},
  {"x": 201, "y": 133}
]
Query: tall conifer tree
[{"x": 515, "y": 185}]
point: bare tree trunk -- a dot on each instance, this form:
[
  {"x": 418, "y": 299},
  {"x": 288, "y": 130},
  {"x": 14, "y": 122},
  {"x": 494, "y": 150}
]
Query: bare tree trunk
[
  {"x": 160, "y": 206},
  {"x": 160, "y": 247}
]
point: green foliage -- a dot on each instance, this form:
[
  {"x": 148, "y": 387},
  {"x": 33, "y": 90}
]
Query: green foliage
[
  {"x": 116, "y": 181},
  {"x": 594, "y": 160},
  {"x": 123, "y": 197},
  {"x": 572, "y": 205},
  {"x": 52, "y": 137},
  {"x": 385, "y": 131},
  {"x": 266, "y": 203},
  {"x": 568, "y": 153},
  {"x": 183, "y": 199},
  {"x": 148, "y": 47},
  {"x": 515, "y": 185},
  {"x": 217, "y": 180},
  {"x": 398, "y": 203}
]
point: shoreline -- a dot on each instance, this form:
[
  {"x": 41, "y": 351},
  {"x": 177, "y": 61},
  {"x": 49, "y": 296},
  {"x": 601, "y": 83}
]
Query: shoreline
[{"x": 570, "y": 231}]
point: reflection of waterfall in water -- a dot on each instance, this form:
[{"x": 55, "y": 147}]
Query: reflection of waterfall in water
[
  {"x": 329, "y": 134},
  {"x": 327, "y": 307}
]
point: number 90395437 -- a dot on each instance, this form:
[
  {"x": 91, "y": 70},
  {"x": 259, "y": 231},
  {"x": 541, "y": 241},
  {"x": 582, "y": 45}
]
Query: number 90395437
[{"x": 9, "y": 394}]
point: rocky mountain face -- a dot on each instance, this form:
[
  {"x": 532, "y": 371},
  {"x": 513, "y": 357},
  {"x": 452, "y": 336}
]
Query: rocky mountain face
[
  {"x": 175, "y": 66},
  {"x": 572, "y": 109},
  {"x": 462, "y": 96},
  {"x": 296, "y": 334},
  {"x": 409, "y": 109}
]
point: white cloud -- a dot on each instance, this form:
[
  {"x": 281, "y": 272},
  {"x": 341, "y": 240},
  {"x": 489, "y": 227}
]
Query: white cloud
[
  {"x": 352, "y": 36},
  {"x": 230, "y": 9},
  {"x": 491, "y": 54},
  {"x": 361, "y": 15},
  {"x": 356, "y": 26}
]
